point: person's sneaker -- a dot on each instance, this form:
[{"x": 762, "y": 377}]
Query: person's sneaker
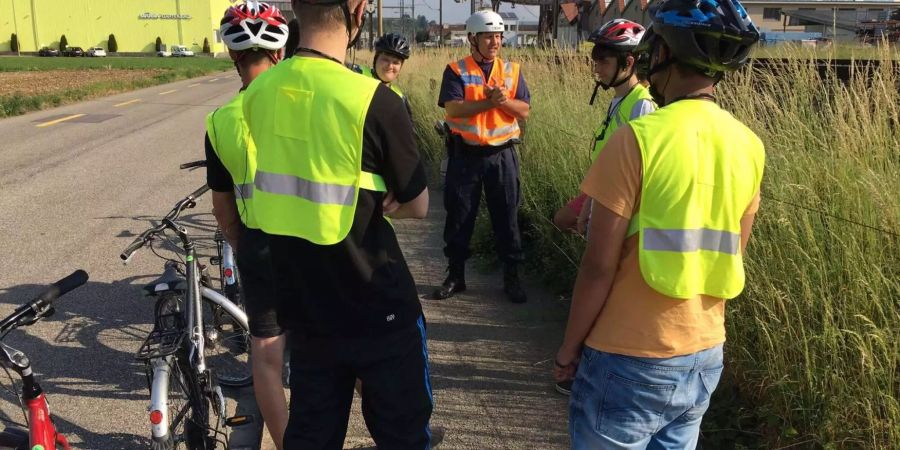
[
  {"x": 452, "y": 285},
  {"x": 455, "y": 282},
  {"x": 564, "y": 387}
]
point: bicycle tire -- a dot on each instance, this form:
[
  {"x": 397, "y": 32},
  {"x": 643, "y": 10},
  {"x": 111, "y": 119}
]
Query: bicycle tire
[
  {"x": 227, "y": 349},
  {"x": 188, "y": 406}
]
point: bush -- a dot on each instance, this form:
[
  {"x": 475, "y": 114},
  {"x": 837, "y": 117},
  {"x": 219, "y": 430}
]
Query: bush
[
  {"x": 14, "y": 43},
  {"x": 159, "y": 44},
  {"x": 206, "y": 46},
  {"x": 63, "y": 43},
  {"x": 111, "y": 44}
]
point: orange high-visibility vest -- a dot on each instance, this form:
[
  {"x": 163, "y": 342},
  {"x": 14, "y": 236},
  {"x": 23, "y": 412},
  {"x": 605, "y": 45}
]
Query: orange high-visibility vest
[{"x": 493, "y": 127}]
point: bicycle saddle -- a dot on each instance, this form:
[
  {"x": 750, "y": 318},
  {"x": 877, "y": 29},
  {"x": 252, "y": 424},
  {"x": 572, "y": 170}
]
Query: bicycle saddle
[{"x": 169, "y": 281}]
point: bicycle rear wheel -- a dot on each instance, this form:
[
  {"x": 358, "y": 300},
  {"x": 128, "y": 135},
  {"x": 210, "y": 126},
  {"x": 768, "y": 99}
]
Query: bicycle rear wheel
[
  {"x": 227, "y": 349},
  {"x": 188, "y": 411}
]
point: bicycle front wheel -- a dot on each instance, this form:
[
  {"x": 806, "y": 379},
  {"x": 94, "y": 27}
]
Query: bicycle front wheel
[
  {"x": 227, "y": 348},
  {"x": 188, "y": 411}
]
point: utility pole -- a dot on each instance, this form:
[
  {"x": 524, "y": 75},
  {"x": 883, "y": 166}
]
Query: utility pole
[
  {"x": 34, "y": 27},
  {"x": 415, "y": 22},
  {"x": 441, "y": 22},
  {"x": 380, "y": 18}
]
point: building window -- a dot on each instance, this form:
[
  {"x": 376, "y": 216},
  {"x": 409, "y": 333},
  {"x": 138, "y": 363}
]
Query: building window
[
  {"x": 876, "y": 14},
  {"x": 772, "y": 13}
]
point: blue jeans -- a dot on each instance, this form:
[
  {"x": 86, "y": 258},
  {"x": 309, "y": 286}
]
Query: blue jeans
[{"x": 627, "y": 402}]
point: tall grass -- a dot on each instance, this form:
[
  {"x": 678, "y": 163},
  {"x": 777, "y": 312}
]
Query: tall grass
[{"x": 814, "y": 341}]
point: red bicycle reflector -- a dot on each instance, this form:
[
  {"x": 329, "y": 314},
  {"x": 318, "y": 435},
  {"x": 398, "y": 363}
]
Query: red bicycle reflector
[
  {"x": 156, "y": 417},
  {"x": 229, "y": 273}
]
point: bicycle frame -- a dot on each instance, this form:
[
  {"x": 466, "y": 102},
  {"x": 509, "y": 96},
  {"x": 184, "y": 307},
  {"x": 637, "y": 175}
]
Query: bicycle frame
[
  {"x": 42, "y": 433},
  {"x": 41, "y": 430},
  {"x": 159, "y": 396}
]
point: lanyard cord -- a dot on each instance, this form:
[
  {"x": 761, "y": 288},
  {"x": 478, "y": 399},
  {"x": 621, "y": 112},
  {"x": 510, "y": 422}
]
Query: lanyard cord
[{"x": 318, "y": 53}]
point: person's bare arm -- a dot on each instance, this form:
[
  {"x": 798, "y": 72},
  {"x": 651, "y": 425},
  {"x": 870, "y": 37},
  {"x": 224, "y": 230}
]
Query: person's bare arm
[
  {"x": 227, "y": 216},
  {"x": 592, "y": 287},
  {"x": 746, "y": 230},
  {"x": 417, "y": 208}
]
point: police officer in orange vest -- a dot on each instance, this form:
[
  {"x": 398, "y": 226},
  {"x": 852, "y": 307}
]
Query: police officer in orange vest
[{"x": 484, "y": 98}]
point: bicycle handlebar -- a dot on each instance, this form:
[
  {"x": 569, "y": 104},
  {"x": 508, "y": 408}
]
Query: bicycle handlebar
[
  {"x": 185, "y": 203},
  {"x": 63, "y": 286},
  {"x": 193, "y": 164},
  {"x": 40, "y": 305}
]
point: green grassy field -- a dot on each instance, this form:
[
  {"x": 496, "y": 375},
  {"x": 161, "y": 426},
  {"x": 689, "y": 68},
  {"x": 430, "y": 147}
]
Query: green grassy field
[
  {"x": 813, "y": 352},
  {"x": 34, "y": 63},
  {"x": 26, "y": 87}
]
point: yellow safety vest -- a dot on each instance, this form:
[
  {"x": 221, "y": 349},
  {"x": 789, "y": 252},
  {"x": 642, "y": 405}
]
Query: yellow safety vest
[
  {"x": 620, "y": 116},
  {"x": 231, "y": 141},
  {"x": 701, "y": 169},
  {"x": 306, "y": 116}
]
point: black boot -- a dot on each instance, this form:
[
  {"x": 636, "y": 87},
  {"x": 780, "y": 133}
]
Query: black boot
[
  {"x": 455, "y": 282},
  {"x": 512, "y": 286}
]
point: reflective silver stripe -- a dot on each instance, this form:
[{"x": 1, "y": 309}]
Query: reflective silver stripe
[
  {"x": 324, "y": 193},
  {"x": 691, "y": 240},
  {"x": 243, "y": 191},
  {"x": 502, "y": 131},
  {"x": 507, "y": 72}
]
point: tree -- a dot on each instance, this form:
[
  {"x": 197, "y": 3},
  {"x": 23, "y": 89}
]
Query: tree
[
  {"x": 422, "y": 36},
  {"x": 14, "y": 43},
  {"x": 421, "y": 23},
  {"x": 111, "y": 44},
  {"x": 63, "y": 43},
  {"x": 206, "y": 48},
  {"x": 159, "y": 44}
]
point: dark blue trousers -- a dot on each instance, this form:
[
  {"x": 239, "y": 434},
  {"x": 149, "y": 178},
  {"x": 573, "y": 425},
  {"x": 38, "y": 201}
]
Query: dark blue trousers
[{"x": 469, "y": 172}]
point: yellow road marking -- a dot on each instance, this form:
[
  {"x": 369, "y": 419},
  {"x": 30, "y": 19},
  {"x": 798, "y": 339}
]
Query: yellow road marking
[
  {"x": 168, "y": 92},
  {"x": 63, "y": 119},
  {"x": 127, "y": 103}
]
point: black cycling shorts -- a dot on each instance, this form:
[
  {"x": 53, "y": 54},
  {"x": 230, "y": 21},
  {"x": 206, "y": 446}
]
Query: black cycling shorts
[{"x": 257, "y": 284}]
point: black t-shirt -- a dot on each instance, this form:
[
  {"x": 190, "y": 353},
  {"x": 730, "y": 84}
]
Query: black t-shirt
[{"x": 360, "y": 286}]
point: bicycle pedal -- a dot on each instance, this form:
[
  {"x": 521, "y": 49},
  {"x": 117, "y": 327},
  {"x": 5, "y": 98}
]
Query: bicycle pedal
[{"x": 237, "y": 421}]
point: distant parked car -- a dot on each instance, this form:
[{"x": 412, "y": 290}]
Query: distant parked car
[
  {"x": 73, "y": 51},
  {"x": 96, "y": 52},
  {"x": 47, "y": 51},
  {"x": 180, "y": 50},
  {"x": 163, "y": 54}
]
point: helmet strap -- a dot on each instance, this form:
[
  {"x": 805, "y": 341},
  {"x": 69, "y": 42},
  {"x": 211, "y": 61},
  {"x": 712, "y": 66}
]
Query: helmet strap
[
  {"x": 473, "y": 41},
  {"x": 348, "y": 23}
]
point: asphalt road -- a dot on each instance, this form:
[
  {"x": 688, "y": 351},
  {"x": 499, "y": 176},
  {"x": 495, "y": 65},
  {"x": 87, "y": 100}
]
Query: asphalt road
[{"x": 81, "y": 181}]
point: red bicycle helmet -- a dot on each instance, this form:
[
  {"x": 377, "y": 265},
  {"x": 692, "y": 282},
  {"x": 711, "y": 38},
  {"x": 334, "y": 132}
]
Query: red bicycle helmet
[
  {"x": 618, "y": 34},
  {"x": 254, "y": 25}
]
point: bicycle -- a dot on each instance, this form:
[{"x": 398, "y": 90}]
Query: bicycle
[
  {"x": 183, "y": 373},
  {"x": 229, "y": 279},
  {"x": 40, "y": 432}
]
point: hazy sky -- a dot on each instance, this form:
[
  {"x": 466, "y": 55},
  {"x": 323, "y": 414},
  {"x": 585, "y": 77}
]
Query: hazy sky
[{"x": 456, "y": 12}]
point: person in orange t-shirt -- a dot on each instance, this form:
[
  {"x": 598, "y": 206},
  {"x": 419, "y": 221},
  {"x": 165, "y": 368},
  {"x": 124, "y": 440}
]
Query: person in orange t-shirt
[{"x": 645, "y": 360}]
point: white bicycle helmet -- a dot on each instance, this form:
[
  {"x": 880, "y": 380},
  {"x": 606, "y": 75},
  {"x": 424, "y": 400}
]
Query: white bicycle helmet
[
  {"x": 254, "y": 25},
  {"x": 485, "y": 21}
]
